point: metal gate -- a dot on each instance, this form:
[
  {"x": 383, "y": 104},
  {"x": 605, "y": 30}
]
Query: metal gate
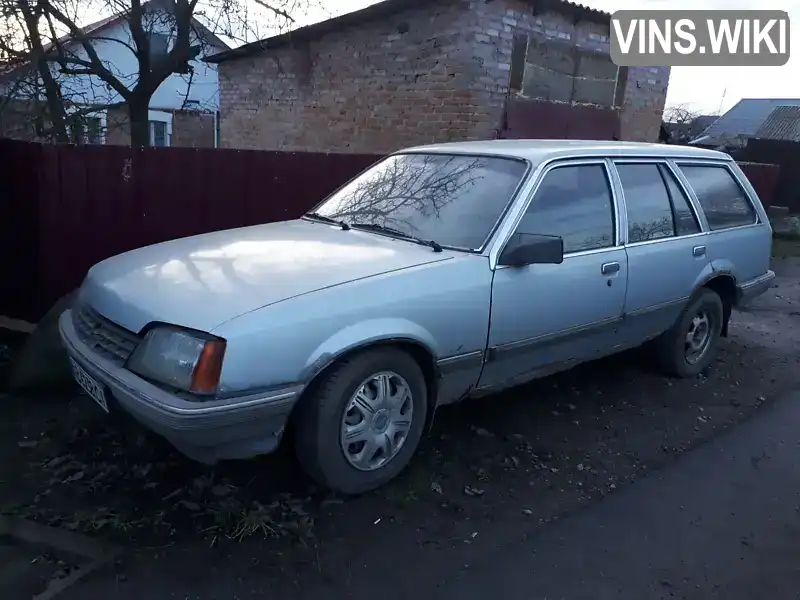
[{"x": 525, "y": 118}]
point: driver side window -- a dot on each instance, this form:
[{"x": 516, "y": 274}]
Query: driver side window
[{"x": 575, "y": 203}]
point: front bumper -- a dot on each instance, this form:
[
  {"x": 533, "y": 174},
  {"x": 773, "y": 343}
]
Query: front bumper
[
  {"x": 240, "y": 427},
  {"x": 748, "y": 290}
]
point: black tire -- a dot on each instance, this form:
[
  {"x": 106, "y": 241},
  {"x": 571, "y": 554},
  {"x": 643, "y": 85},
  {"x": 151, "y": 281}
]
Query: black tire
[
  {"x": 317, "y": 433},
  {"x": 671, "y": 348}
]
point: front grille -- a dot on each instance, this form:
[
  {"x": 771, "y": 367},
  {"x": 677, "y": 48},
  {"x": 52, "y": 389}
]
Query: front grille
[{"x": 107, "y": 339}]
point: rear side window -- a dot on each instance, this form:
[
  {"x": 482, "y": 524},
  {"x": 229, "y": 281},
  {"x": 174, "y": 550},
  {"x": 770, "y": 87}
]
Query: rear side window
[
  {"x": 649, "y": 207},
  {"x": 575, "y": 203},
  {"x": 722, "y": 199},
  {"x": 685, "y": 220}
]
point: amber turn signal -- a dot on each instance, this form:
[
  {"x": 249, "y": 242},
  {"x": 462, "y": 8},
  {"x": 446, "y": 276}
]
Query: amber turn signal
[{"x": 205, "y": 377}]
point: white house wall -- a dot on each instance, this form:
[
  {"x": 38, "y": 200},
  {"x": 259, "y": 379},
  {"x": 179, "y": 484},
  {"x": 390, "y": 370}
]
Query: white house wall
[{"x": 115, "y": 52}]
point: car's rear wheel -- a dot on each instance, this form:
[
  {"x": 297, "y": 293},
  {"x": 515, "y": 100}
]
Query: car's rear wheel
[
  {"x": 691, "y": 345},
  {"x": 363, "y": 421}
]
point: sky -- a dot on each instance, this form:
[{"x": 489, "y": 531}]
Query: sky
[{"x": 708, "y": 90}]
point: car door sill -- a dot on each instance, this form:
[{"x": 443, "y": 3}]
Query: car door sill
[{"x": 526, "y": 345}]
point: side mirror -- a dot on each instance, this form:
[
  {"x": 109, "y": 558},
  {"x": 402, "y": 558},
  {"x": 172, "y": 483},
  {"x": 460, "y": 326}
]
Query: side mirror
[{"x": 525, "y": 249}]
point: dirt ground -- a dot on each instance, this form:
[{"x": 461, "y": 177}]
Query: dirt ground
[{"x": 490, "y": 471}]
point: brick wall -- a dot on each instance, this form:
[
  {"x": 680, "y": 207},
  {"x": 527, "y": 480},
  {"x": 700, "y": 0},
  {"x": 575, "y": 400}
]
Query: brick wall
[
  {"x": 436, "y": 73},
  {"x": 189, "y": 129},
  {"x": 375, "y": 87},
  {"x": 493, "y": 27},
  {"x": 117, "y": 131},
  {"x": 192, "y": 130},
  {"x": 643, "y": 109}
]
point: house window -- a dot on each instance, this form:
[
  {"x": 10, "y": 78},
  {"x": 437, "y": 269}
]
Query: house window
[
  {"x": 159, "y": 45},
  {"x": 159, "y": 135}
]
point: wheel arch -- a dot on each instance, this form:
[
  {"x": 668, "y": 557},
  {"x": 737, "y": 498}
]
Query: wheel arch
[
  {"x": 723, "y": 283},
  {"x": 421, "y": 352}
]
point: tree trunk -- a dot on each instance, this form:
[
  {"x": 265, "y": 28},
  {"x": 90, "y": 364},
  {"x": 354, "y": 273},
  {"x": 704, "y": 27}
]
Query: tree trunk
[
  {"x": 52, "y": 90},
  {"x": 139, "y": 122},
  {"x": 55, "y": 105}
]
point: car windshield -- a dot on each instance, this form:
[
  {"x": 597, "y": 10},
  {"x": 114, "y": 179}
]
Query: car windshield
[{"x": 454, "y": 200}]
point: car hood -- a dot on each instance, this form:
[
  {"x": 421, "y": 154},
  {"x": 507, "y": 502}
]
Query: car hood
[{"x": 202, "y": 281}]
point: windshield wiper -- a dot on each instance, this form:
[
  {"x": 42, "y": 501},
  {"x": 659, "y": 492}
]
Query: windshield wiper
[
  {"x": 383, "y": 228},
  {"x": 397, "y": 233},
  {"x": 324, "y": 219}
]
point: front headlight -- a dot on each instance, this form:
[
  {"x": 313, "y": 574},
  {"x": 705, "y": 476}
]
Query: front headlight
[{"x": 183, "y": 359}]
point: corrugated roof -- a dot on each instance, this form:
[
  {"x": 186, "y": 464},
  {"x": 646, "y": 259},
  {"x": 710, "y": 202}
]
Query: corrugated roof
[
  {"x": 744, "y": 119},
  {"x": 783, "y": 123},
  {"x": 385, "y": 9}
]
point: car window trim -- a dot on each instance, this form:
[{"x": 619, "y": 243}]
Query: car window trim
[
  {"x": 717, "y": 165},
  {"x": 664, "y": 174},
  {"x": 694, "y": 201},
  {"x": 645, "y": 161},
  {"x": 526, "y": 196},
  {"x": 666, "y": 163}
]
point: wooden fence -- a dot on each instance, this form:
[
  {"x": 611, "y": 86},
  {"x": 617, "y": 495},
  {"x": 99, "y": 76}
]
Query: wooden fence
[
  {"x": 786, "y": 155},
  {"x": 64, "y": 208}
]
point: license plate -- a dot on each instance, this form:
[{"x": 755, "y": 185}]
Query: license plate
[{"x": 91, "y": 386}]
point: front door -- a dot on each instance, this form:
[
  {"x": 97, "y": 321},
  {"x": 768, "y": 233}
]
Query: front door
[{"x": 546, "y": 316}]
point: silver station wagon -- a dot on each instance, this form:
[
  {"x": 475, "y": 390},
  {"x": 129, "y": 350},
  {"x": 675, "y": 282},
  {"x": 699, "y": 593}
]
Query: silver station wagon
[{"x": 440, "y": 273}]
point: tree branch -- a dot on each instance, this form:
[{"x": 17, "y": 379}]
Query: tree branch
[
  {"x": 140, "y": 39},
  {"x": 188, "y": 90},
  {"x": 98, "y": 68},
  {"x": 277, "y": 11},
  {"x": 101, "y": 38}
]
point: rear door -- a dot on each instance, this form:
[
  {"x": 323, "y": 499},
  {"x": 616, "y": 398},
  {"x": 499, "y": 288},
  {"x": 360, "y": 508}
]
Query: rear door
[
  {"x": 738, "y": 240},
  {"x": 665, "y": 245}
]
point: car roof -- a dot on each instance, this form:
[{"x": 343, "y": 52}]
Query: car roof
[{"x": 538, "y": 151}]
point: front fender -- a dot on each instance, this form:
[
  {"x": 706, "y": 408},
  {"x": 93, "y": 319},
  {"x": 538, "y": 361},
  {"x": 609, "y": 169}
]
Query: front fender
[
  {"x": 443, "y": 307},
  {"x": 366, "y": 333}
]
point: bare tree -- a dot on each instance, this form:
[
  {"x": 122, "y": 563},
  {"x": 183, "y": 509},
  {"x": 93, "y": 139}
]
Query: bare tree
[
  {"x": 29, "y": 85},
  {"x": 404, "y": 191},
  {"x": 652, "y": 230},
  {"x": 50, "y": 45},
  {"x": 454, "y": 200},
  {"x": 680, "y": 119}
]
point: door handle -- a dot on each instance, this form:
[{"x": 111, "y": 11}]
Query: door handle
[
  {"x": 699, "y": 251},
  {"x": 609, "y": 268}
]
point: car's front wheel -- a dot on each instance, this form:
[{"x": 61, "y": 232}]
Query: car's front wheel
[{"x": 363, "y": 421}]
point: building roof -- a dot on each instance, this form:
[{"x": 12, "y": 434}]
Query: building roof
[
  {"x": 783, "y": 123},
  {"x": 381, "y": 10},
  {"x": 537, "y": 151},
  {"x": 690, "y": 129},
  {"x": 703, "y": 122},
  {"x": 742, "y": 121}
]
